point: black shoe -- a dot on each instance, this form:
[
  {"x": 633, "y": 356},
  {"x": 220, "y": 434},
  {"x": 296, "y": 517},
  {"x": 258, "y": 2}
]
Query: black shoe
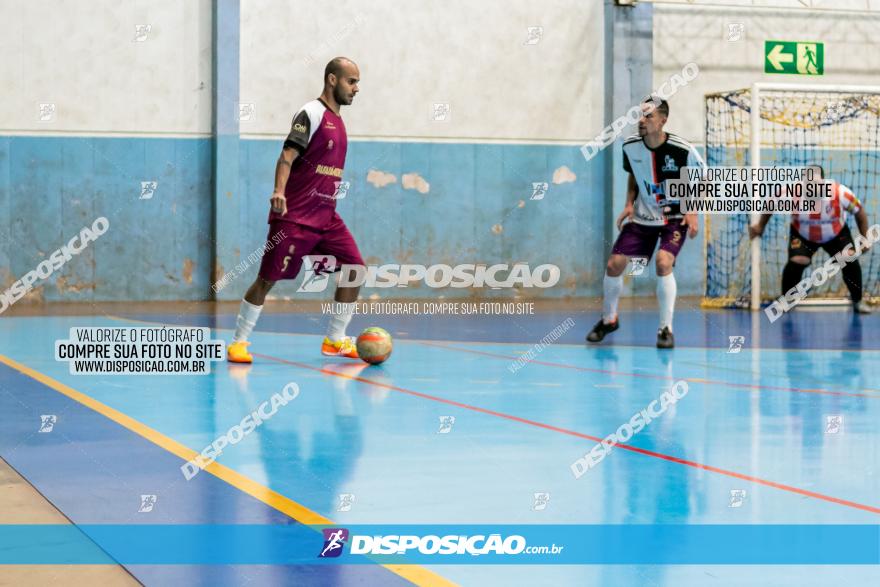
[
  {"x": 665, "y": 340},
  {"x": 601, "y": 329}
]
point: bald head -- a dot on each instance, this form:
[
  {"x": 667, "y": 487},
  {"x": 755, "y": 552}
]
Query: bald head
[
  {"x": 341, "y": 77},
  {"x": 336, "y": 66}
]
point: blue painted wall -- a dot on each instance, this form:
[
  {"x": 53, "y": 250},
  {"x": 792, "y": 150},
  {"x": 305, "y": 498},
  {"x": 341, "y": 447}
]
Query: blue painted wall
[
  {"x": 473, "y": 189},
  {"x": 155, "y": 249},
  {"x": 162, "y": 248}
]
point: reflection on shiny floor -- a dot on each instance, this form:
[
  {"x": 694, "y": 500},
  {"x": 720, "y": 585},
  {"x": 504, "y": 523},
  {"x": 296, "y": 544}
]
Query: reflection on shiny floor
[{"x": 785, "y": 434}]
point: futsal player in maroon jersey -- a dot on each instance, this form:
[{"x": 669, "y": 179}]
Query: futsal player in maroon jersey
[{"x": 303, "y": 207}]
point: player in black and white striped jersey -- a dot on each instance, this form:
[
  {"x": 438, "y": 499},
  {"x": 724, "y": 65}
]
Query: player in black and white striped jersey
[{"x": 651, "y": 158}]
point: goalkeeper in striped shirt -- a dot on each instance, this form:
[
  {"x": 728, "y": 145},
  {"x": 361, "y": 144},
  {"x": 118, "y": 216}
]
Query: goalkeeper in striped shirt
[{"x": 825, "y": 229}]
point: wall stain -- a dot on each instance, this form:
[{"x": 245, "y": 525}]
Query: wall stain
[
  {"x": 414, "y": 181},
  {"x": 188, "y": 266},
  {"x": 65, "y": 285},
  {"x": 380, "y": 179}
]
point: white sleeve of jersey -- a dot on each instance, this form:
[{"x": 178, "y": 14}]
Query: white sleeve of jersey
[
  {"x": 315, "y": 111},
  {"x": 694, "y": 159}
]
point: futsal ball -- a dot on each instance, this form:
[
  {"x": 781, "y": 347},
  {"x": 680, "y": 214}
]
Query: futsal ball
[{"x": 374, "y": 345}]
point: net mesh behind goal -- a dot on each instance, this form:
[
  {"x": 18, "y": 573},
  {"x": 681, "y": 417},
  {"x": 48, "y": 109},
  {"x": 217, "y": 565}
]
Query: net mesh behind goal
[{"x": 838, "y": 130}]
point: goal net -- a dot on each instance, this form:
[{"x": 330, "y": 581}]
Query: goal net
[{"x": 838, "y": 128}]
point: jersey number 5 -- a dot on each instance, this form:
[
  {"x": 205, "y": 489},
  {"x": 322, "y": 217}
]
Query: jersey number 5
[{"x": 286, "y": 261}]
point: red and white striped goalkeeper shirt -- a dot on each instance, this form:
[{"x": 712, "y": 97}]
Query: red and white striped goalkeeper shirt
[{"x": 824, "y": 225}]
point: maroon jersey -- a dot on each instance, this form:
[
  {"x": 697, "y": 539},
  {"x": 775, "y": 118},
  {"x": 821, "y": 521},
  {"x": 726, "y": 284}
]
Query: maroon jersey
[{"x": 318, "y": 135}]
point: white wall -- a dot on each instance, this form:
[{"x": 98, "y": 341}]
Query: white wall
[
  {"x": 471, "y": 55},
  {"x": 683, "y": 34},
  {"x": 82, "y": 57}
]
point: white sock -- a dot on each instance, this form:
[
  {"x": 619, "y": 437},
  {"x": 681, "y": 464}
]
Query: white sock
[
  {"x": 612, "y": 286},
  {"x": 339, "y": 320},
  {"x": 666, "y": 290},
  {"x": 247, "y": 319}
]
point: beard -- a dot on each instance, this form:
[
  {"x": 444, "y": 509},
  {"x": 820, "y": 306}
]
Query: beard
[{"x": 340, "y": 96}]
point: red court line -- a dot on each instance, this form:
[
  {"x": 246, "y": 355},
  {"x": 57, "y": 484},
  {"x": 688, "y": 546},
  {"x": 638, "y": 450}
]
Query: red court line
[
  {"x": 650, "y": 453},
  {"x": 650, "y": 376}
]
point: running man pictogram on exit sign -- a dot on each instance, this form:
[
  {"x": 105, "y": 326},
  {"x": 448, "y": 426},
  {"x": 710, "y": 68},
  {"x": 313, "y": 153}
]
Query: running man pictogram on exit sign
[{"x": 796, "y": 57}]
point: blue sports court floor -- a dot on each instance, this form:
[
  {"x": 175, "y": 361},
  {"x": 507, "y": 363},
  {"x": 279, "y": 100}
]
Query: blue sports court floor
[{"x": 755, "y": 421}]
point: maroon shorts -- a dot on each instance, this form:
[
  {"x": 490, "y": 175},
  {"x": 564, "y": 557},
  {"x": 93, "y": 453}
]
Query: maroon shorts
[
  {"x": 286, "y": 258},
  {"x": 638, "y": 240}
]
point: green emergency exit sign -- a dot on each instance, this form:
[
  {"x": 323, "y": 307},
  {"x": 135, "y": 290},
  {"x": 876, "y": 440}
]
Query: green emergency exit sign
[{"x": 797, "y": 57}]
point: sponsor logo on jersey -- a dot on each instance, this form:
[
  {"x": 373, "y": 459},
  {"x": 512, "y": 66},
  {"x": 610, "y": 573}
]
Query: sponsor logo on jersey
[
  {"x": 654, "y": 189},
  {"x": 297, "y": 127},
  {"x": 670, "y": 164},
  {"x": 328, "y": 170}
]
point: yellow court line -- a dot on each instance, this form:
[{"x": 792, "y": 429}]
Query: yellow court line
[{"x": 413, "y": 573}]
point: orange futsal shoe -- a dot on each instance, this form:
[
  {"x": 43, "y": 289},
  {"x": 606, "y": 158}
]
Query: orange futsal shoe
[
  {"x": 237, "y": 353},
  {"x": 341, "y": 348}
]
